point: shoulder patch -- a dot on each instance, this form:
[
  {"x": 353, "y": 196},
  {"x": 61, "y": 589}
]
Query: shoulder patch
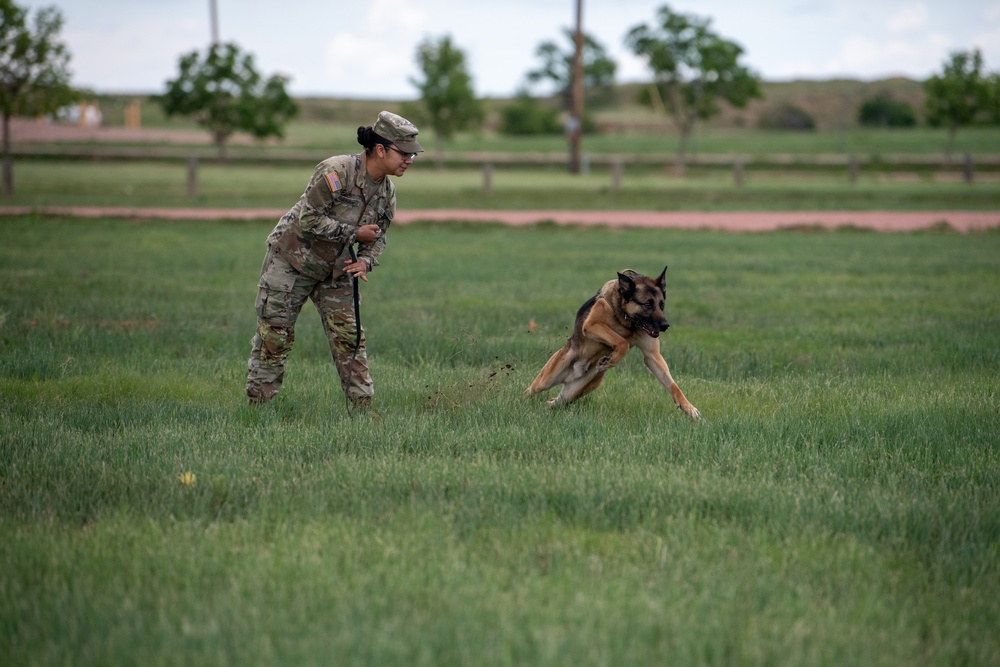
[{"x": 333, "y": 180}]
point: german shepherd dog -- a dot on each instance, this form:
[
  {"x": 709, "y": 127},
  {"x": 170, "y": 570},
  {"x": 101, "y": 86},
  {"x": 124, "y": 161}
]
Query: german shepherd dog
[{"x": 625, "y": 313}]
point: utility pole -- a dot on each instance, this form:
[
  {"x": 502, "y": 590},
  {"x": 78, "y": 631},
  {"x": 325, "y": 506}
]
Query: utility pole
[
  {"x": 214, "y": 17},
  {"x": 574, "y": 128}
]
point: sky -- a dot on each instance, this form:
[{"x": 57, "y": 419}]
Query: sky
[{"x": 366, "y": 49}]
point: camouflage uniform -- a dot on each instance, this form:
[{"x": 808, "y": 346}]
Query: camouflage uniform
[{"x": 306, "y": 253}]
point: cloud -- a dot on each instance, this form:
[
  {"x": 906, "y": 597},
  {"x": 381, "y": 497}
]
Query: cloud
[
  {"x": 988, "y": 40},
  {"x": 631, "y": 67},
  {"x": 855, "y": 53},
  {"x": 351, "y": 64},
  {"x": 909, "y": 18},
  {"x": 381, "y": 50},
  {"x": 394, "y": 18},
  {"x": 917, "y": 57},
  {"x": 144, "y": 53},
  {"x": 992, "y": 13}
]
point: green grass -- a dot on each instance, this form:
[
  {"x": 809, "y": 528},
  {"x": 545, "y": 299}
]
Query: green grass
[
  {"x": 839, "y": 503},
  {"x": 122, "y": 183}
]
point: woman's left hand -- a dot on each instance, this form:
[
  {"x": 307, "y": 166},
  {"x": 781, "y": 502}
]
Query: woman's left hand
[{"x": 357, "y": 269}]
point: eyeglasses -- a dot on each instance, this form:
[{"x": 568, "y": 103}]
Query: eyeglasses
[{"x": 406, "y": 156}]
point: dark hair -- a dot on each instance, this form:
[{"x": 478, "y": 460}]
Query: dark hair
[{"x": 368, "y": 138}]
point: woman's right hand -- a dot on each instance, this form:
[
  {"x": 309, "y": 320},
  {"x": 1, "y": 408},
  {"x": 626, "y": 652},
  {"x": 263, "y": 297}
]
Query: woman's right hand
[{"x": 367, "y": 233}]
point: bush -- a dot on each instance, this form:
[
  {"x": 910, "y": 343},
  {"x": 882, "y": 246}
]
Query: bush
[
  {"x": 525, "y": 116},
  {"x": 883, "y": 111},
  {"x": 786, "y": 117}
]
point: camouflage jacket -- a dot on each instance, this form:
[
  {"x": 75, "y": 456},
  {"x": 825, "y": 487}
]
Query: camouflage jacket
[{"x": 315, "y": 234}]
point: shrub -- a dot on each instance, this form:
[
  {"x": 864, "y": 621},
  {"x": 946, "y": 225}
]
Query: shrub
[
  {"x": 883, "y": 111},
  {"x": 525, "y": 116},
  {"x": 786, "y": 117}
]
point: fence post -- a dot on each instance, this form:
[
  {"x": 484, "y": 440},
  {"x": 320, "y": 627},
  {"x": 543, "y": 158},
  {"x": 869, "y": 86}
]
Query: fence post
[
  {"x": 738, "y": 173},
  {"x": 133, "y": 115},
  {"x": 487, "y": 177},
  {"x": 968, "y": 168},
  {"x": 616, "y": 175},
  {"x": 192, "y": 176},
  {"x": 852, "y": 170}
]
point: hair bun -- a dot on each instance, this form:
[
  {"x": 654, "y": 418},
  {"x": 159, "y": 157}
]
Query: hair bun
[{"x": 364, "y": 136}]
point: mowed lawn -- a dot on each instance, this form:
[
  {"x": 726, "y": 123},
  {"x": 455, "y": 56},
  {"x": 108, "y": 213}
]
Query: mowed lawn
[{"x": 839, "y": 504}]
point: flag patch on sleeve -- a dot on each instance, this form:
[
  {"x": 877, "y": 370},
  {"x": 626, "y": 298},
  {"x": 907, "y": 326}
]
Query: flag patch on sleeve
[{"x": 333, "y": 180}]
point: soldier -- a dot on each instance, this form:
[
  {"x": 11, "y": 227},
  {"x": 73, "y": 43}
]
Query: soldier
[{"x": 348, "y": 199}]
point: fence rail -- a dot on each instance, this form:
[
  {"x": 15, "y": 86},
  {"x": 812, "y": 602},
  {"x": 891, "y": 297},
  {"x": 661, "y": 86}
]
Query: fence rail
[
  {"x": 526, "y": 159},
  {"x": 615, "y": 164}
]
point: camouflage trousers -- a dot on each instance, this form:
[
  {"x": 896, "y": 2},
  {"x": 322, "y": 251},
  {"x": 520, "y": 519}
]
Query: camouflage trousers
[{"x": 281, "y": 293}]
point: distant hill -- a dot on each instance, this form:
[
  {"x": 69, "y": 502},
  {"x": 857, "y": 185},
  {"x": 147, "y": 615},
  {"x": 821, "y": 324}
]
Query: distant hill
[{"x": 833, "y": 104}]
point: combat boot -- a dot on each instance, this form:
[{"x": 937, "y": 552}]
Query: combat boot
[
  {"x": 362, "y": 405},
  {"x": 259, "y": 394}
]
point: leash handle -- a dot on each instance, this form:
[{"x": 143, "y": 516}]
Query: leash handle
[
  {"x": 357, "y": 330},
  {"x": 357, "y": 300},
  {"x": 357, "y": 323}
]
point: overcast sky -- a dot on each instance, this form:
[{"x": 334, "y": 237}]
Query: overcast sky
[{"x": 365, "y": 49}]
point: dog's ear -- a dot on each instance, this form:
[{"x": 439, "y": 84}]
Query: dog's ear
[
  {"x": 626, "y": 285},
  {"x": 661, "y": 281}
]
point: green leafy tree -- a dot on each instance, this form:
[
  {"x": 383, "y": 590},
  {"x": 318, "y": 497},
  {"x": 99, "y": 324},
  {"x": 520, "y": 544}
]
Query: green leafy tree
[
  {"x": 961, "y": 95},
  {"x": 557, "y": 67},
  {"x": 226, "y": 94},
  {"x": 693, "y": 70},
  {"x": 447, "y": 101},
  {"x": 34, "y": 71}
]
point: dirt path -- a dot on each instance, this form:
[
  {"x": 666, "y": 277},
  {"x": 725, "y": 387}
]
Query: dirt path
[{"x": 888, "y": 221}]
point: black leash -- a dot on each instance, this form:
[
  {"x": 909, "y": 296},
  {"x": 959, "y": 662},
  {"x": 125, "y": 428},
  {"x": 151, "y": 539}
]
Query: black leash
[{"x": 357, "y": 331}]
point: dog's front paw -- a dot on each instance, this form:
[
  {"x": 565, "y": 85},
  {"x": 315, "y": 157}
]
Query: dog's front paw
[
  {"x": 604, "y": 363},
  {"x": 691, "y": 411}
]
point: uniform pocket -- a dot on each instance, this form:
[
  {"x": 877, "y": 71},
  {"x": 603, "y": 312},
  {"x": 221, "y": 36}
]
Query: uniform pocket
[
  {"x": 277, "y": 274},
  {"x": 276, "y": 299},
  {"x": 348, "y": 209}
]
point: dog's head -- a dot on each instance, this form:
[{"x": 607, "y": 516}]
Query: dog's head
[{"x": 643, "y": 300}]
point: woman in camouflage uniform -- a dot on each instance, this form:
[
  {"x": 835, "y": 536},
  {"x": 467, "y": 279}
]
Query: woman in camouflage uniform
[{"x": 348, "y": 199}]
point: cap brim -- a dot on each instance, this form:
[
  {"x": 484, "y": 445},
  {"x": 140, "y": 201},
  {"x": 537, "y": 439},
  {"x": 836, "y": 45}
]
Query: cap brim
[{"x": 408, "y": 145}]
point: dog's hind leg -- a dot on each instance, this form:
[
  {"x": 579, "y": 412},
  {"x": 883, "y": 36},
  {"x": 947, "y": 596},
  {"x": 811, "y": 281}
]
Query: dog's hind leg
[
  {"x": 574, "y": 389},
  {"x": 552, "y": 373}
]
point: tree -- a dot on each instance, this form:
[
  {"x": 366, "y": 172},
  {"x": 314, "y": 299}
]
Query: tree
[
  {"x": 34, "y": 71},
  {"x": 693, "y": 68},
  {"x": 557, "y": 67},
  {"x": 448, "y": 102},
  {"x": 225, "y": 94},
  {"x": 960, "y": 95}
]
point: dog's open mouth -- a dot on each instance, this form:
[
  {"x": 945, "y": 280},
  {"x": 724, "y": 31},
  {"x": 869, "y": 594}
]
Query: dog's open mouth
[{"x": 653, "y": 332}]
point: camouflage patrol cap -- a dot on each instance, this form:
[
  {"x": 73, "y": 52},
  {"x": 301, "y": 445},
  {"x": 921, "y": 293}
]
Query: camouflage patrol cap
[{"x": 399, "y": 131}]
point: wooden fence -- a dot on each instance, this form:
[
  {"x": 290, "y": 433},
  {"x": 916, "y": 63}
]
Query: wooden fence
[{"x": 616, "y": 166}]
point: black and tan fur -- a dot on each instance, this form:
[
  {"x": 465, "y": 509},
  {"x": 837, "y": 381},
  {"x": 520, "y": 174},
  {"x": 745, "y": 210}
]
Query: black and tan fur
[{"x": 625, "y": 313}]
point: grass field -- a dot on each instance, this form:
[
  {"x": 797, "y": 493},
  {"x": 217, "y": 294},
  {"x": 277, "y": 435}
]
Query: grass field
[
  {"x": 839, "y": 504},
  {"x": 148, "y": 183}
]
